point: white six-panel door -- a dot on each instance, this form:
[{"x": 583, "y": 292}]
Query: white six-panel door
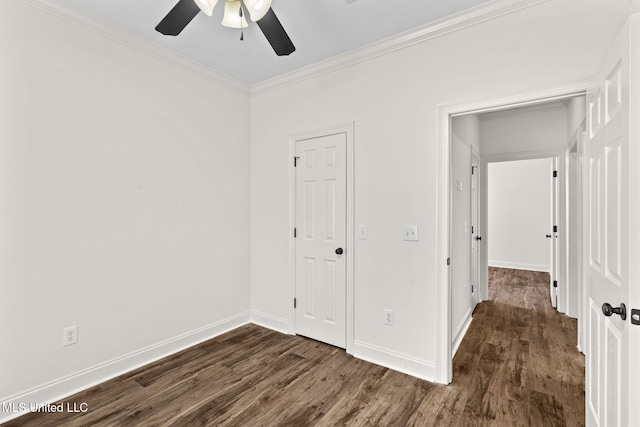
[
  {"x": 320, "y": 239},
  {"x": 612, "y": 118}
]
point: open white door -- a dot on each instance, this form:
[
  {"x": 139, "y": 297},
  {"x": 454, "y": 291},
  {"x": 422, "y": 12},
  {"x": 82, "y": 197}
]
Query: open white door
[
  {"x": 320, "y": 259},
  {"x": 612, "y": 212},
  {"x": 553, "y": 235},
  {"x": 475, "y": 228}
]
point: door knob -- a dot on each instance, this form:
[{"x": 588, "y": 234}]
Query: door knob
[
  {"x": 548, "y": 236},
  {"x": 608, "y": 310},
  {"x": 339, "y": 251},
  {"x": 478, "y": 238}
]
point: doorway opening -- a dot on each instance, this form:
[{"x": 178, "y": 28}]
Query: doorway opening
[
  {"x": 522, "y": 213},
  {"x": 517, "y": 131}
]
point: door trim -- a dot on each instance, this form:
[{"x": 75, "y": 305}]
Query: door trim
[
  {"x": 349, "y": 131},
  {"x": 521, "y": 97}
]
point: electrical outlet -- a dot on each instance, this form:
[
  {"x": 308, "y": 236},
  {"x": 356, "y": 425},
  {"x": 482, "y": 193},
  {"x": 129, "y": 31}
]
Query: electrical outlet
[
  {"x": 388, "y": 317},
  {"x": 410, "y": 233},
  {"x": 70, "y": 335}
]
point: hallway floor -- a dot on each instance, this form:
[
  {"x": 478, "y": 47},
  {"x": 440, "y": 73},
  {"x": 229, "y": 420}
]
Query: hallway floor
[{"x": 519, "y": 360}]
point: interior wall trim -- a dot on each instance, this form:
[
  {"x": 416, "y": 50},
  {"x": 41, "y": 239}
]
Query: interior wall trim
[
  {"x": 474, "y": 16},
  {"x": 419, "y": 368},
  {"x": 82, "y": 19},
  {"x": 269, "y": 321},
  {"x": 460, "y": 331},
  {"x": 81, "y": 380},
  {"x": 487, "y": 11},
  {"x": 520, "y": 155}
]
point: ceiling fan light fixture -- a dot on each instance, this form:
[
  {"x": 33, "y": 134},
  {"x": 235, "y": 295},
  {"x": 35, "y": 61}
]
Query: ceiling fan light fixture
[
  {"x": 257, "y": 8},
  {"x": 206, "y": 6},
  {"x": 232, "y": 17}
]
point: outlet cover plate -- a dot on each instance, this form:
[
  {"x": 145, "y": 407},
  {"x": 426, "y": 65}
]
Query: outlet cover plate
[
  {"x": 410, "y": 233},
  {"x": 70, "y": 335},
  {"x": 388, "y": 317}
]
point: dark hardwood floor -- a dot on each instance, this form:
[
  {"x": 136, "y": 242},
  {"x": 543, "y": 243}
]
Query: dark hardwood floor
[{"x": 517, "y": 366}]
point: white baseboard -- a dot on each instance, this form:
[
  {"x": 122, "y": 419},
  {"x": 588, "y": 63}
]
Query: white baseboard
[
  {"x": 17, "y": 405},
  {"x": 371, "y": 353},
  {"x": 268, "y": 321},
  {"x": 14, "y": 406},
  {"x": 396, "y": 361},
  {"x": 519, "y": 265},
  {"x": 460, "y": 332}
]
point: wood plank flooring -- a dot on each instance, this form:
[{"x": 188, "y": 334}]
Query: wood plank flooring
[{"x": 517, "y": 366}]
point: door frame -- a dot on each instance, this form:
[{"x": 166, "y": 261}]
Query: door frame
[
  {"x": 524, "y": 96},
  {"x": 476, "y": 206},
  {"x": 349, "y": 131}
]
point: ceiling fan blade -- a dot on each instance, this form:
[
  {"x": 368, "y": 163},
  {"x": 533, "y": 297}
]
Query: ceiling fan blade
[
  {"x": 275, "y": 34},
  {"x": 178, "y": 18}
]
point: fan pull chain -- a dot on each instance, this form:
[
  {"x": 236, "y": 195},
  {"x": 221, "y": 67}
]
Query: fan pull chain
[{"x": 241, "y": 30}]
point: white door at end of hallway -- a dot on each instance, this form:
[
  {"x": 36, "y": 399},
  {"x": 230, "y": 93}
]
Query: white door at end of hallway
[{"x": 320, "y": 251}]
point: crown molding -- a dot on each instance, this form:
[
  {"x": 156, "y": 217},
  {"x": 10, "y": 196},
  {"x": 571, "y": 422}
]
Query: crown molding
[
  {"x": 78, "y": 17},
  {"x": 487, "y": 11},
  {"x": 491, "y": 10}
]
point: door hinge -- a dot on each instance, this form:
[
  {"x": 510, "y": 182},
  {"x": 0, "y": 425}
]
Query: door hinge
[
  {"x": 295, "y": 232},
  {"x": 295, "y": 162},
  {"x": 555, "y": 283},
  {"x": 473, "y": 168},
  {"x": 294, "y": 303},
  {"x": 472, "y": 229},
  {"x": 555, "y": 174},
  {"x": 448, "y": 261},
  {"x": 555, "y": 228}
]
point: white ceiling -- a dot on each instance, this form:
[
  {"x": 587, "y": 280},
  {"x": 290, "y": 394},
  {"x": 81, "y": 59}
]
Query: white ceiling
[{"x": 319, "y": 29}]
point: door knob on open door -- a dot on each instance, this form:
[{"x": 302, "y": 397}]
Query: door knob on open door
[
  {"x": 339, "y": 251},
  {"x": 608, "y": 310}
]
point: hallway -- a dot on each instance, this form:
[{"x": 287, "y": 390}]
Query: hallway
[{"x": 518, "y": 362}]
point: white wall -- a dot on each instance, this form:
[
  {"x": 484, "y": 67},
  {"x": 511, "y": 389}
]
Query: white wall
[
  {"x": 124, "y": 203},
  {"x": 465, "y": 134},
  {"x": 394, "y": 99},
  {"x": 532, "y": 131},
  {"x": 522, "y": 131},
  {"x": 519, "y": 214}
]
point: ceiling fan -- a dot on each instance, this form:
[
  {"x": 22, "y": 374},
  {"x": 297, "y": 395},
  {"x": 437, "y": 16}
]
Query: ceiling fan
[{"x": 259, "y": 10}]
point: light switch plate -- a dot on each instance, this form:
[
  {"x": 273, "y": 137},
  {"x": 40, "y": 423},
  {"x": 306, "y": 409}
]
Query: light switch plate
[
  {"x": 362, "y": 232},
  {"x": 410, "y": 233}
]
